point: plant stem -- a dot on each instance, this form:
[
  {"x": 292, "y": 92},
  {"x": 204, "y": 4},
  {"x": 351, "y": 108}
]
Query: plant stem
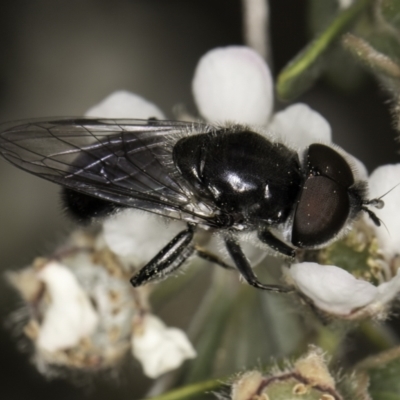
[
  {"x": 288, "y": 78},
  {"x": 190, "y": 391},
  {"x": 256, "y": 26}
]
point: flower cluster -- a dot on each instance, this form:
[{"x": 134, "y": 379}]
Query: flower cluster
[
  {"x": 84, "y": 314},
  {"x": 307, "y": 378}
]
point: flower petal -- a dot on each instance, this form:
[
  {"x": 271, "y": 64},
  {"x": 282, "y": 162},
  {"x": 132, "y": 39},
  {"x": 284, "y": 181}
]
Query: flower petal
[
  {"x": 331, "y": 288},
  {"x": 255, "y": 254},
  {"x": 138, "y": 235},
  {"x": 123, "y": 104},
  {"x": 233, "y": 84},
  {"x": 360, "y": 171},
  {"x": 300, "y": 126},
  {"x": 389, "y": 290},
  {"x": 70, "y": 316},
  {"x": 158, "y": 348},
  {"x": 381, "y": 181}
]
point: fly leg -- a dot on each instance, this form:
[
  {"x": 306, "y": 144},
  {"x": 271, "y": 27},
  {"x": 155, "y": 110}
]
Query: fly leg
[
  {"x": 244, "y": 267},
  {"x": 276, "y": 244},
  {"x": 170, "y": 258},
  {"x": 206, "y": 255}
]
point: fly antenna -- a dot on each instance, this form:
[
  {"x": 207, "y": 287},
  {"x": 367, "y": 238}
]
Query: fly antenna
[
  {"x": 377, "y": 221},
  {"x": 372, "y": 215},
  {"x": 378, "y": 202}
]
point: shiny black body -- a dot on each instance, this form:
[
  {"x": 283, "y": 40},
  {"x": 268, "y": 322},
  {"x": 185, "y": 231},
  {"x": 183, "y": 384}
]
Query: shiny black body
[
  {"x": 231, "y": 180},
  {"x": 253, "y": 181}
]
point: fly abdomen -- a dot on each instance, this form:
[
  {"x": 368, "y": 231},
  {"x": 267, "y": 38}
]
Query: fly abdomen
[{"x": 84, "y": 208}]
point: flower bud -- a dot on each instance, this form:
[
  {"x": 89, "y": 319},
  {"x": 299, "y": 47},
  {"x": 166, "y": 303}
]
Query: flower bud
[{"x": 307, "y": 378}]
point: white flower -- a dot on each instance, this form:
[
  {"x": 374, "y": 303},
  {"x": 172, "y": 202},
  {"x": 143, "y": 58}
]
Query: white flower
[
  {"x": 158, "y": 348},
  {"x": 137, "y": 236},
  {"x": 381, "y": 181},
  {"x": 301, "y": 125},
  {"x": 337, "y": 292},
  {"x": 234, "y": 84},
  {"x": 123, "y": 104},
  {"x": 70, "y": 316},
  {"x": 80, "y": 308}
]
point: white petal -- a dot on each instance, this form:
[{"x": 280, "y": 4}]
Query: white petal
[
  {"x": 389, "y": 290},
  {"x": 138, "y": 235},
  {"x": 70, "y": 316},
  {"x": 254, "y": 254},
  {"x": 359, "y": 169},
  {"x": 233, "y": 84},
  {"x": 386, "y": 293},
  {"x": 123, "y": 104},
  {"x": 332, "y": 289},
  {"x": 300, "y": 126},
  {"x": 381, "y": 181},
  {"x": 158, "y": 348}
]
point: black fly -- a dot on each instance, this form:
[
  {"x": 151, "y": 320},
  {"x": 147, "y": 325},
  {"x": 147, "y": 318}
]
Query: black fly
[{"x": 228, "y": 179}]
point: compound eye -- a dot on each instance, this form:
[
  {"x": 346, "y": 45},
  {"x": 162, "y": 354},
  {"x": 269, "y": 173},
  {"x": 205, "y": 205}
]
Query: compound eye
[
  {"x": 327, "y": 162},
  {"x": 321, "y": 213}
]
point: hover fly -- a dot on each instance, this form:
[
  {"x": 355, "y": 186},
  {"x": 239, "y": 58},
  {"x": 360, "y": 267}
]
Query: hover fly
[{"x": 231, "y": 180}]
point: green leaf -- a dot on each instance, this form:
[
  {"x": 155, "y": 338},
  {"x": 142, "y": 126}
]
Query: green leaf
[
  {"x": 307, "y": 66},
  {"x": 208, "y": 325},
  {"x": 339, "y": 68}
]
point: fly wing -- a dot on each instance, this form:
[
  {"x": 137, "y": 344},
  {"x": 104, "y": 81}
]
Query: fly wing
[{"x": 128, "y": 162}]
